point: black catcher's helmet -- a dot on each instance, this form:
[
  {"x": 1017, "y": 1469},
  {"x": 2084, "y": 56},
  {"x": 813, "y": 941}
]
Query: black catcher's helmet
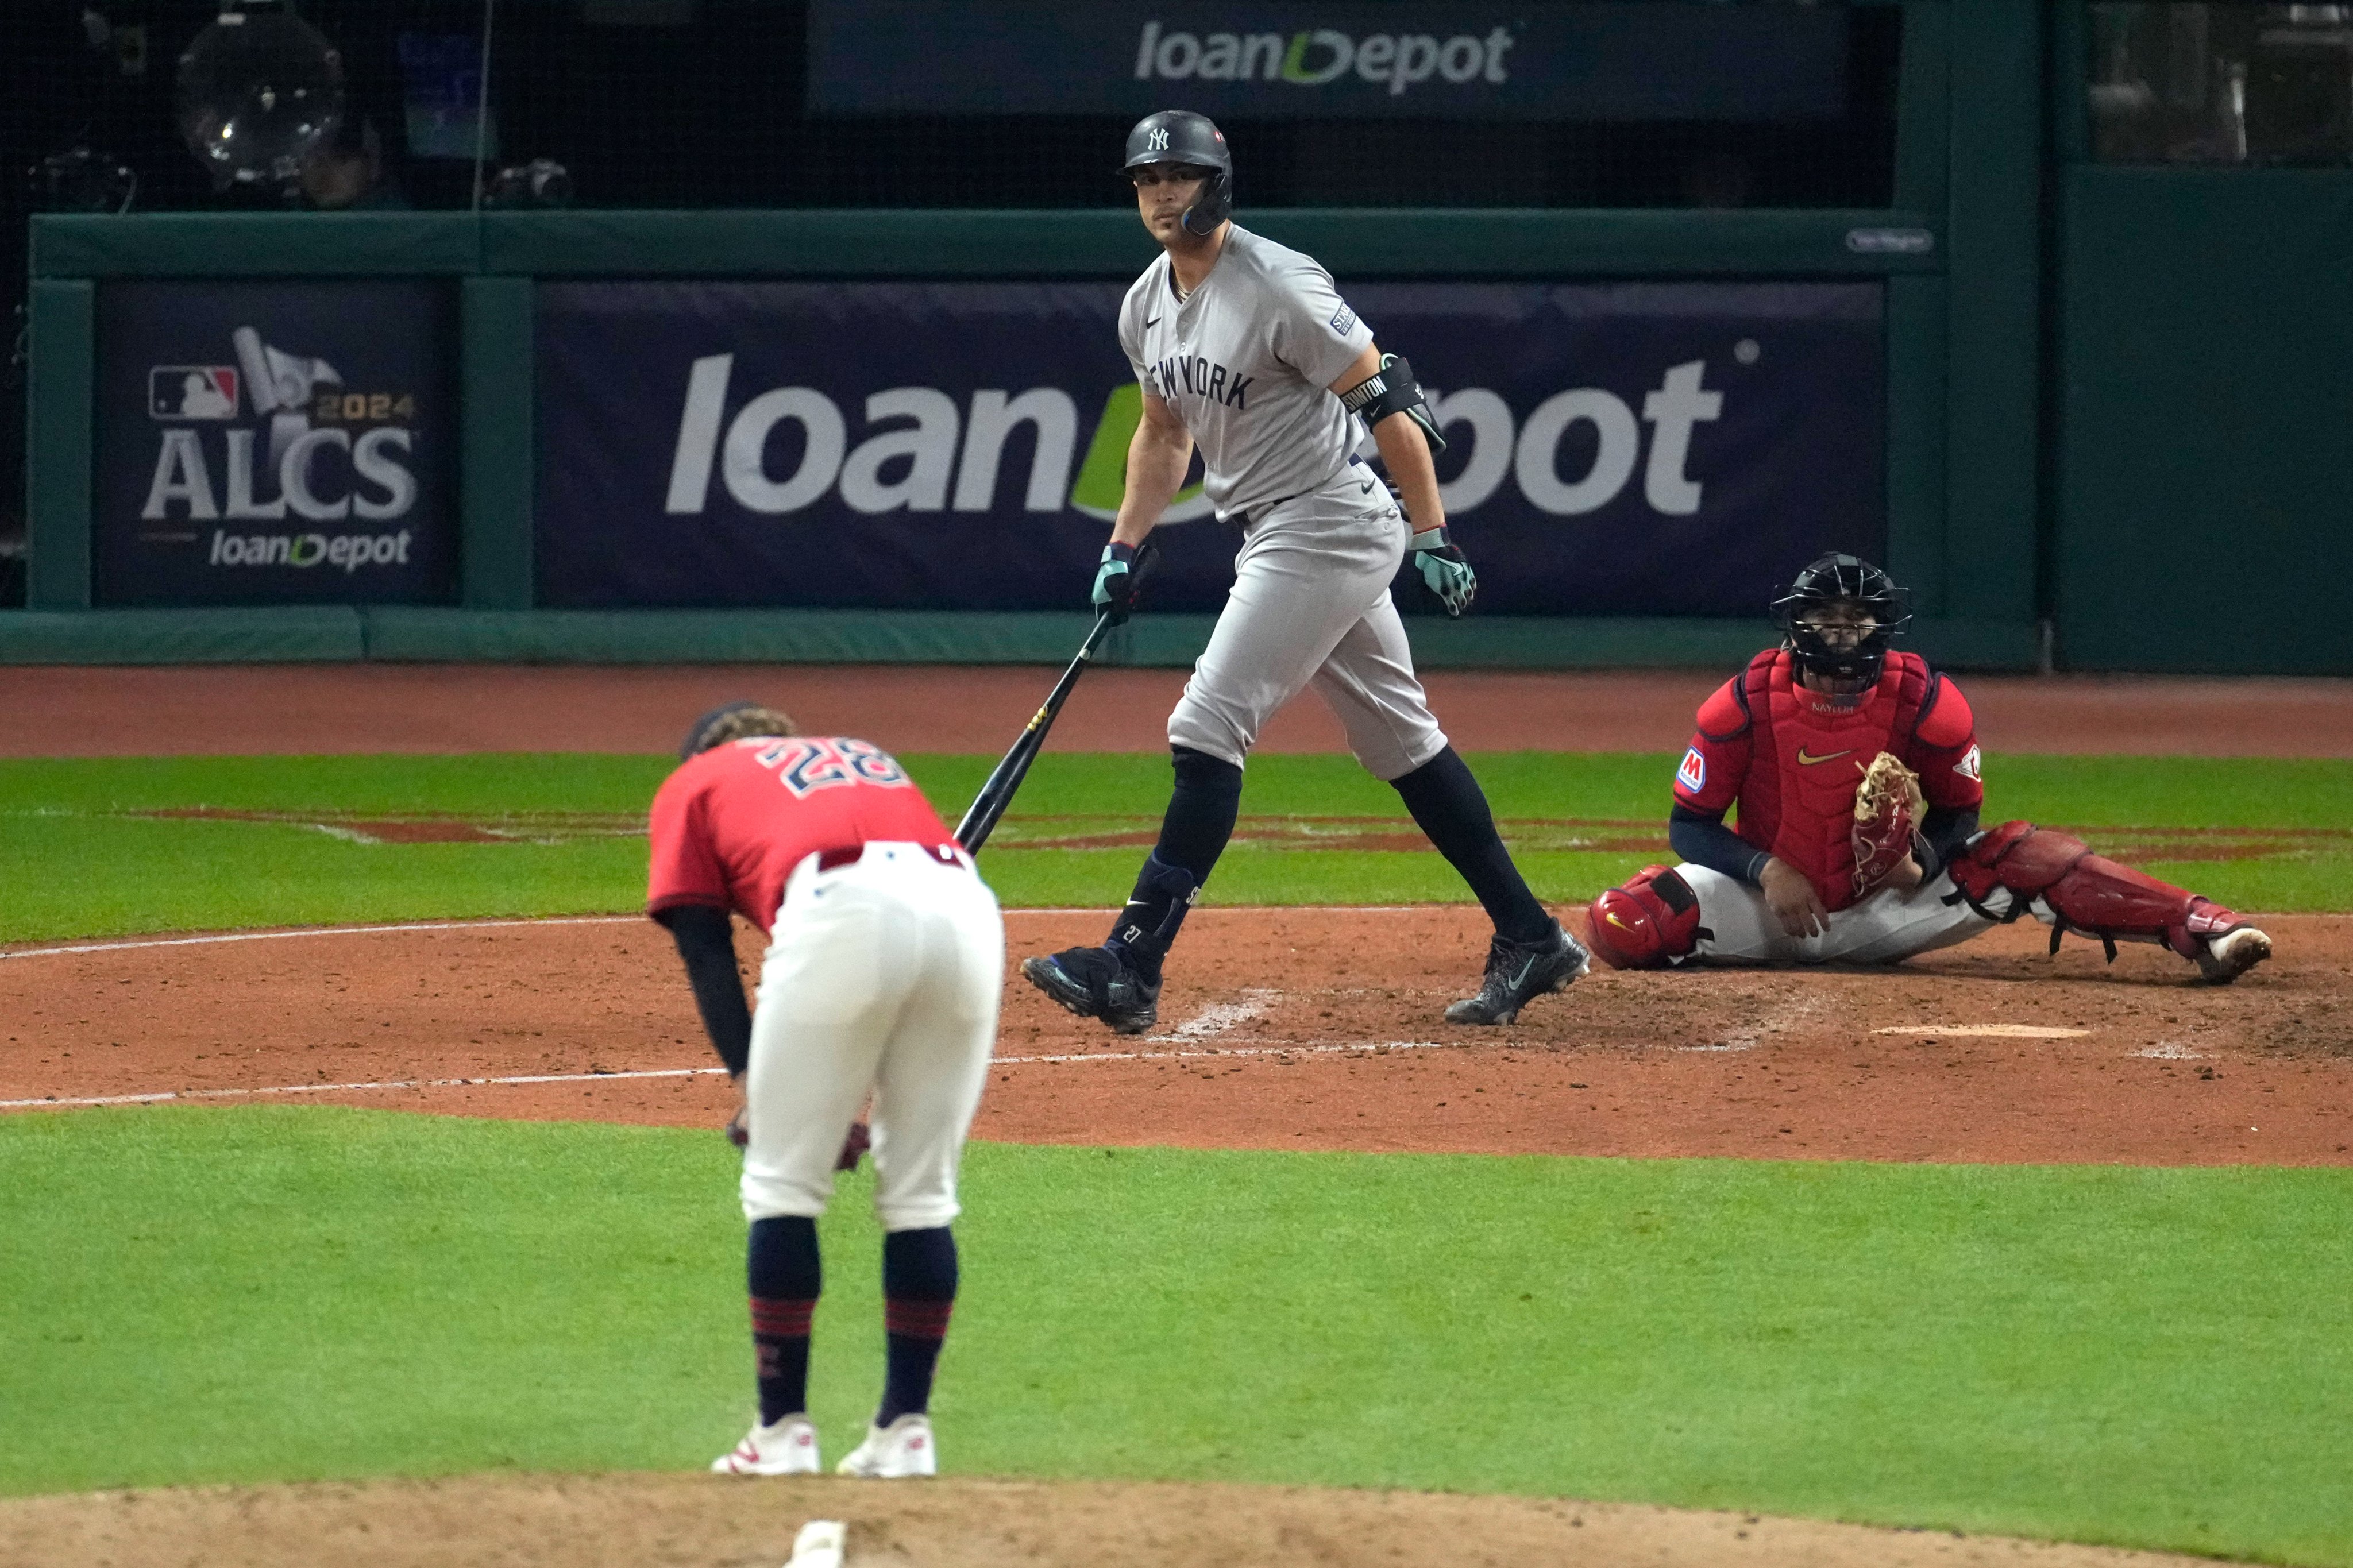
[
  {"x": 1180, "y": 136},
  {"x": 1831, "y": 579}
]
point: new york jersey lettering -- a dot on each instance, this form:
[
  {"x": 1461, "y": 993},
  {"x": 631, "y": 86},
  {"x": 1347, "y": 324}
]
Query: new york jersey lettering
[{"x": 1192, "y": 375}]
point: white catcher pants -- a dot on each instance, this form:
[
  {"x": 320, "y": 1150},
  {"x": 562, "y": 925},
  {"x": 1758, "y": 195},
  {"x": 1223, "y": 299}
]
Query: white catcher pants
[
  {"x": 1311, "y": 605},
  {"x": 1887, "y": 926},
  {"x": 884, "y": 975}
]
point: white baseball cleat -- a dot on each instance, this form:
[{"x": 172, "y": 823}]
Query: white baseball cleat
[
  {"x": 787, "y": 1447},
  {"x": 2231, "y": 954},
  {"x": 901, "y": 1448}
]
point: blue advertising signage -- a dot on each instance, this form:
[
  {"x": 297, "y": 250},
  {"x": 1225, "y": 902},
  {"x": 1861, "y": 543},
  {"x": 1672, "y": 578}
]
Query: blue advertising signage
[
  {"x": 1613, "y": 449},
  {"x": 273, "y": 443},
  {"x": 1607, "y": 61}
]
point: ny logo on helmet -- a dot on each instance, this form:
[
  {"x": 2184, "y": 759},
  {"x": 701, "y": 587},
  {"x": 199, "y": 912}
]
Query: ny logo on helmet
[{"x": 1159, "y": 141}]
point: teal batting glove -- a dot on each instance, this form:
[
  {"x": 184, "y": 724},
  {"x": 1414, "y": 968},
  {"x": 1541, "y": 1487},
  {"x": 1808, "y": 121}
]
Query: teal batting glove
[
  {"x": 1440, "y": 561},
  {"x": 1115, "y": 594}
]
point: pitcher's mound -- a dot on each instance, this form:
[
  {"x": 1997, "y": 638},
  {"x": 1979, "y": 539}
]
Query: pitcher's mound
[{"x": 711, "y": 1521}]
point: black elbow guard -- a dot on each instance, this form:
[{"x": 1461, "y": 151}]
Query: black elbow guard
[{"x": 1392, "y": 390}]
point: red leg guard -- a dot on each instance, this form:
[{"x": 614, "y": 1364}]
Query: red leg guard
[
  {"x": 1648, "y": 923},
  {"x": 2087, "y": 892}
]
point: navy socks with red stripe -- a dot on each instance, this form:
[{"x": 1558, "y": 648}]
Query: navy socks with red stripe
[
  {"x": 786, "y": 1279},
  {"x": 1449, "y": 806},
  {"x": 919, "y": 1286}
]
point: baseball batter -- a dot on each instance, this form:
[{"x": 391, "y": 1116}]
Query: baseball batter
[
  {"x": 1787, "y": 741},
  {"x": 883, "y": 976},
  {"x": 1247, "y": 350}
]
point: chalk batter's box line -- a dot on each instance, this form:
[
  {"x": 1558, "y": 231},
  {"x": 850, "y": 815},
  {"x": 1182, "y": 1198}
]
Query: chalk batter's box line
[
  {"x": 621, "y": 919},
  {"x": 315, "y": 930},
  {"x": 165, "y": 1096}
]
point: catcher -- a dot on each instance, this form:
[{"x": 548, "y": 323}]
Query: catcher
[{"x": 1858, "y": 777}]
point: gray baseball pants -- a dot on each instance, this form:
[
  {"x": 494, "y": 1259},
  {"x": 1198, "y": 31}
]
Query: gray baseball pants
[{"x": 1311, "y": 605}]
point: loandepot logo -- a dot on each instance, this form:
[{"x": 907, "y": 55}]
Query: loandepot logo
[
  {"x": 948, "y": 459},
  {"x": 1399, "y": 60},
  {"x": 921, "y": 452},
  {"x": 346, "y": 553}
]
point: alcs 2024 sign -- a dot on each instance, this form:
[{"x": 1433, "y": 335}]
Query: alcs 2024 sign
[{"x": 267, "y": 443}]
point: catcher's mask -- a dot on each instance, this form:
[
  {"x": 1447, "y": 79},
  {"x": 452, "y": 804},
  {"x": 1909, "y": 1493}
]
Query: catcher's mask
[
  {"x": 733, "y": 722},
  {"x": 1180, "y": 136},
  {"x": 1837, "y": 579}
]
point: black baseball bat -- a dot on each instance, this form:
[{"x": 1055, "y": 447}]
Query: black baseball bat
[{"x": 980, "y": 818}]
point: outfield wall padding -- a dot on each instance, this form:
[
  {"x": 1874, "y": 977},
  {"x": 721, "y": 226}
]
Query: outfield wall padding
[{"x": 335, "y": 633}]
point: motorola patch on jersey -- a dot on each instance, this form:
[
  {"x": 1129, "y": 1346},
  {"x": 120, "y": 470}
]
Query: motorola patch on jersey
[{"x": 1693, "y": 775}]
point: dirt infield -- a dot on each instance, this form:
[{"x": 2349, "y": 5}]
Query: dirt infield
[
  {"x": 1291, "y": 1029},
  {"x": 1279, "y": 1029},
  {"x": 708, "y": 1522},
  {"x": 279, "y": 709}
]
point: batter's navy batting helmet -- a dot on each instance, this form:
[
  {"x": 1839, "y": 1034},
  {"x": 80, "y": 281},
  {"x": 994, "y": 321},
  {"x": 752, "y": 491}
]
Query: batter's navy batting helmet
[
  {"x": 1835, "y": 578},
  {"x": 1180, "y": 136}
]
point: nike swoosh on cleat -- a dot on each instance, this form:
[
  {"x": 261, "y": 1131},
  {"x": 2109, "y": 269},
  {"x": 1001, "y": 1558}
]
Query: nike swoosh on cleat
[
  {"x": 1522, "y": 977},
  {"x": 1807, "y": 759}
]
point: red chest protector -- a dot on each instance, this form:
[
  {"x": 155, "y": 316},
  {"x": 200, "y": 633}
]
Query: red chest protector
[{"x": 1807, "y": 757}]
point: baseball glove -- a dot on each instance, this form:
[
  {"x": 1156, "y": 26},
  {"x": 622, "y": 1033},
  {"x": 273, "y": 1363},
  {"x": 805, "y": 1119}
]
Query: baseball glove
[{"x": 1887, "y": 807}]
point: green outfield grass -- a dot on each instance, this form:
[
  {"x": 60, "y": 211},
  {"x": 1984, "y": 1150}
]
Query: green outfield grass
[
  {"x": 84, "y": 855},
  {"x": 2148, "y": 1357}
]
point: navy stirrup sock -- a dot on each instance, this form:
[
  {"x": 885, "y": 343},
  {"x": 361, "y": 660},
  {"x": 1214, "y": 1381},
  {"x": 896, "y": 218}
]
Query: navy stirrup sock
[
  {"x": 919, "y": 1286},
  {"x": 786, "y": 1278},
  {"x": 1193, "y": 834},
  {"x": 1449, "y": 806}
]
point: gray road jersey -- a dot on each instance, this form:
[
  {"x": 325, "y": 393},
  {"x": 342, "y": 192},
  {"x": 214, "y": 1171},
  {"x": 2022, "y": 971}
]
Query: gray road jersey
[{"x": 1247, "y": 361}]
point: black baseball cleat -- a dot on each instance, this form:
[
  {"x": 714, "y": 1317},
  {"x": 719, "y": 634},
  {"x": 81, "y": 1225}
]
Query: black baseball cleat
[
  {"x": 1518, "y": 972},
  {"x": 1096, "y": 983}
]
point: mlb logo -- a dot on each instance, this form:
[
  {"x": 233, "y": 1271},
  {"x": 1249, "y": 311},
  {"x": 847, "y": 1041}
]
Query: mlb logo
[
  {"x": 1693, "y": 775},
  {"x": 192, "y": 392}
]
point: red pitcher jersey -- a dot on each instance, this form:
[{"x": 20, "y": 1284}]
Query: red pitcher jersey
[
  {"x": 1792, "y": 759},
  {"x": 731, "y": 824}
]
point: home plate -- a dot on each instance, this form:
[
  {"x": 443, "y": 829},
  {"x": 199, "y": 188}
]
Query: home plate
[{"x": 1995, "y": 1031}]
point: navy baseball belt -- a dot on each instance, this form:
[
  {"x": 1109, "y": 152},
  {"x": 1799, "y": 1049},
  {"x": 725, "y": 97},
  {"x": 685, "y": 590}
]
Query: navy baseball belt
[
  {"x": 950, "y": 854},
  {"x": 1245, "y": 520}
]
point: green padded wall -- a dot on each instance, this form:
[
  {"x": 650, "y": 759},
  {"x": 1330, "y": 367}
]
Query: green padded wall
[{"x": 2205, "y": 478}]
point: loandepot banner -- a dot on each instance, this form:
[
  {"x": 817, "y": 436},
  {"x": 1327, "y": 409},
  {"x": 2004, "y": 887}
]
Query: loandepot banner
[
  {"x": 1640, "y": 448},
  {"x": 1606, "y": 60},
  {"x": 265, "y": 443}
]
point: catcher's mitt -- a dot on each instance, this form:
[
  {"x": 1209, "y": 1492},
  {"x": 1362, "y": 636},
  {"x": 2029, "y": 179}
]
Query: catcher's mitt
[{"x": 1887, "y": 807}]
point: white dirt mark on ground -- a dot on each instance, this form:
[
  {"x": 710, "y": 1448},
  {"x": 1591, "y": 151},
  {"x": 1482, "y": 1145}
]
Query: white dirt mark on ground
[
  {"x": 1984, "y": 1031},
  {"x": 1218, "y": 1017}
]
